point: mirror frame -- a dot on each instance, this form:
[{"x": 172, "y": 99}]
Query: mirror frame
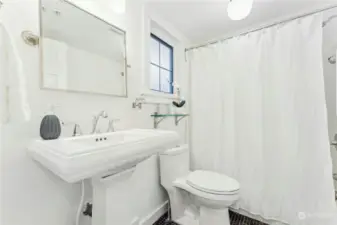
[{"x": 40, "y": 45}]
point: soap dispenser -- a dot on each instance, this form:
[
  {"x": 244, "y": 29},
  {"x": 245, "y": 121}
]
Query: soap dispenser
[{"x": 50, "y": 127}]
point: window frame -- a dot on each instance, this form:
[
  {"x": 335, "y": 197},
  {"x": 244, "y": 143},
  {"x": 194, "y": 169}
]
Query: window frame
[{"x": 162, "y": 42}]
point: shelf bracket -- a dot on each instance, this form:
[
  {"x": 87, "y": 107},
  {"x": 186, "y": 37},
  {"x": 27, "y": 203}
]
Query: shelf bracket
[
  {"x": 157, "y": 121},
  {"x": 158, "y": 118},
  {"x": 178, "y": 119}
]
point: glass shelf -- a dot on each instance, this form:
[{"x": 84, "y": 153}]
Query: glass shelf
[
  {"x": 169, "y": 115},
  {"x": 160, "y": 117}
]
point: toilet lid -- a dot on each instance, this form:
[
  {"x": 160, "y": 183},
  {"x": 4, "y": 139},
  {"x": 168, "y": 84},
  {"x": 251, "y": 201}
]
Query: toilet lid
[{"x": 212, "y": 182}]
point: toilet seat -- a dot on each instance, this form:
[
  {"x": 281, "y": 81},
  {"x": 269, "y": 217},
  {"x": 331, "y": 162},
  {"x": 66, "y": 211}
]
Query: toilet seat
[{"x": 213, "y": 183}]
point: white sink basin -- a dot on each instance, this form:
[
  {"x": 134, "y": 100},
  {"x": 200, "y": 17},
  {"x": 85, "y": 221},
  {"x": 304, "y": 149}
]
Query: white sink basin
[{"x": 77, "y": 158}]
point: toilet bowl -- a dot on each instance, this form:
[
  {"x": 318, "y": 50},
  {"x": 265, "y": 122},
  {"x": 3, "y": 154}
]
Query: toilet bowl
[{"x": 198, "y": 197}]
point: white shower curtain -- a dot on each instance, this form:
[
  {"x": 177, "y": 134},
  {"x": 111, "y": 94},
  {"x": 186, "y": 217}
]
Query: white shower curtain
[{"x": 259, "y": 115}]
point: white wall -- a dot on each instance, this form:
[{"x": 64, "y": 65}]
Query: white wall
[
  {"x": 329, "y": 49},
  {"x": 31, "y": 195}
]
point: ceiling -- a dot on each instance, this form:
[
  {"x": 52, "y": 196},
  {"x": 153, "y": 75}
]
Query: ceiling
[{"x": 204, "y": 20}]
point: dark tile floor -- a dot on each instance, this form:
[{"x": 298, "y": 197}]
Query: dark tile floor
[{"x": 236, "y": 219}]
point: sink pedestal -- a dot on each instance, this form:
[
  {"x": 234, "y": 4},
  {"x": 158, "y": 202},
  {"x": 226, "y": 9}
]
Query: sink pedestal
[{"x": 128, "y": 197}]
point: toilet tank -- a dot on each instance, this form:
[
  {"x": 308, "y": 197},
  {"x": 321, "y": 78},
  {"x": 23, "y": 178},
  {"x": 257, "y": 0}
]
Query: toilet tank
[{"x": 174, "y": 163}]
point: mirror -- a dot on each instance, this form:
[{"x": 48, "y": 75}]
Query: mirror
[{"x": 80, "y": 52}]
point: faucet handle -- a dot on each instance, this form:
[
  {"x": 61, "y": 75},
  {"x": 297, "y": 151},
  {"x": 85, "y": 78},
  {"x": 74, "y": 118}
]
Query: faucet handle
[
  {"x": 111, "y": 127},
  {"x": 77, "y": 130}
]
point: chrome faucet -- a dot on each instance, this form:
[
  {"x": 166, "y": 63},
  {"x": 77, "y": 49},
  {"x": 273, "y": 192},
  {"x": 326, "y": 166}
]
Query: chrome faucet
[{"x": 95, "y": 120}]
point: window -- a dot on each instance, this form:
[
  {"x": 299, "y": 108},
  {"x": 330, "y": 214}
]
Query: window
[{"x": 161, "y": 68}]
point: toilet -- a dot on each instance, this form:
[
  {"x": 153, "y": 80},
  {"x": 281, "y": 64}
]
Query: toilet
[{"x": 198, "y": 197}]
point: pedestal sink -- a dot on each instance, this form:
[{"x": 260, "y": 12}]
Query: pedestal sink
[{"x": 78, "y": 158}]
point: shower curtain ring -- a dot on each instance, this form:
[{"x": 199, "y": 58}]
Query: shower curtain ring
[{"x": 332, "y": 59}]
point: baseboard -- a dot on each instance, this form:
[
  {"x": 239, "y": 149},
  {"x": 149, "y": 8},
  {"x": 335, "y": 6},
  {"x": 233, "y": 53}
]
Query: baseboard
[{"x": 155, "y": 215}]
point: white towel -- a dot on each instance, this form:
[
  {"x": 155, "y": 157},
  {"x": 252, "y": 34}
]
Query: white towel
[{"x": 13, "y": 78}]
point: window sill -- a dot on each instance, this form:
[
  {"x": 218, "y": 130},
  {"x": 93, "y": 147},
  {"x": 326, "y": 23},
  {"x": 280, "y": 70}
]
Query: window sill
[{"x": 154, "y": 94}]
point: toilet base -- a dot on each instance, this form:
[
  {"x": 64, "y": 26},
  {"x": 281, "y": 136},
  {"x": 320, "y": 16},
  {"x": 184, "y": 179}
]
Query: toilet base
[
  {"x": 207, "y": 216},
  {"x": 214, "y": 216},
  {"x": 187, "y": 220}
]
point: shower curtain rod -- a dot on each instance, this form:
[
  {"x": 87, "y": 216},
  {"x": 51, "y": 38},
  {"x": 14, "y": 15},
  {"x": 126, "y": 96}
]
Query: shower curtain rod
[
  {"x": 328, "y": 20},
  {"x": 268, "y": 26}
]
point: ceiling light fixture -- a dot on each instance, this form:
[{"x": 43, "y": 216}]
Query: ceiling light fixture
[{"x": 239, "y": 9}]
